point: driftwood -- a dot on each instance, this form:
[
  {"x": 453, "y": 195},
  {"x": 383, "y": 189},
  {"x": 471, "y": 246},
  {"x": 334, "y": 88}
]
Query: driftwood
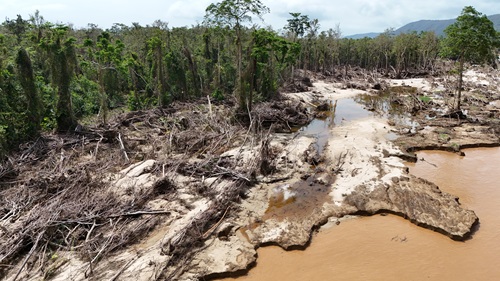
[
  {"x": 456, "y": 114},
  {"x": 55, "y": 192},
  {"x": 33, "y": 248},
  {"x": 211, "y": 230},
  {"x": 123, "y": 147},
  {"x": 123, "y": 268}
]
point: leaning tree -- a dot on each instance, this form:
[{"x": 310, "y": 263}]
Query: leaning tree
[{"x": 472, "y": 38}]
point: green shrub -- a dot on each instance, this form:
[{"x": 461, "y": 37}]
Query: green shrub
[{"x": 218, "y": 95}]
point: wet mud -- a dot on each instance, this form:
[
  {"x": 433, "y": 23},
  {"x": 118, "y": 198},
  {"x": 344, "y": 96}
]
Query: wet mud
[{"x": 387, "y": 247}]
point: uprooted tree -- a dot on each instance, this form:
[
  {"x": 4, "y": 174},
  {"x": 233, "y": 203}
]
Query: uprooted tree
[{"x": 472, "y": 38}]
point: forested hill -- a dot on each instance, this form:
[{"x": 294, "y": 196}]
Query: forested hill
[
  {"x": 363, "y": 35},
  {"x": 438, "y": 26}
]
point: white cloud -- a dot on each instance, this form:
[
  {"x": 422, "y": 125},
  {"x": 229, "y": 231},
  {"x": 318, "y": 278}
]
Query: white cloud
[
  {"x": 360, "y": 16},
  {"x": 354, "y": 16},
  {"x": 56, "y": 7},
  {"x": 186, "y": 13}
]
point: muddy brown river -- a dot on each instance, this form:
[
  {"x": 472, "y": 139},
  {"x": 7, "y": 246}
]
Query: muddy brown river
[{"x": 391, "y": 248}]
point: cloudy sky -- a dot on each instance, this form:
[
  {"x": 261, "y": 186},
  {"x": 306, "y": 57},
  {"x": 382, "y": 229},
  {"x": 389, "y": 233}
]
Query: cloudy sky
[{"x": 353, "y": 16}]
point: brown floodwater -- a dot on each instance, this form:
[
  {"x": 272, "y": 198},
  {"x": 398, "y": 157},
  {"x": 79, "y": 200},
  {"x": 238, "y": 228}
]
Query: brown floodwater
[{"x": 391, "y": 248}]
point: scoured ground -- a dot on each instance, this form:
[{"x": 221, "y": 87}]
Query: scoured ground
[
  {"x": 365, "y": 175},
  {"x": 203, "y": 212},
  {"x": 72, "y": 203},
  {"x": 367, "y": 181}
]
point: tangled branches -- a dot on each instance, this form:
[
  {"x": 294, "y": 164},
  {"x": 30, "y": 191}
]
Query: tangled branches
[{"x": 60, "y": 192}]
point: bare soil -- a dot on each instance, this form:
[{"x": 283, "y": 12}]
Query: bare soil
[{"x": 189, "y": 191}]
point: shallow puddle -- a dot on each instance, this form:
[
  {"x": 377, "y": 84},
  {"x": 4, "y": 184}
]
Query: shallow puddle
[
  {"x": 350, "y": 109},
  {"x": 391, "y": 248},
  {"x": 381, "y": 104},
  {"x": 298, "y": 200},
  {"x": 341, "y": 111}
]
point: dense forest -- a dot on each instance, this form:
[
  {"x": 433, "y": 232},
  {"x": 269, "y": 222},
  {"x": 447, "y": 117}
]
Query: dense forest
[{"x": 52, "y": 76}]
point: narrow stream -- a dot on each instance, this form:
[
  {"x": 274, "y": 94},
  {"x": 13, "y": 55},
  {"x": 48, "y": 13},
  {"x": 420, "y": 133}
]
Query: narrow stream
[
  {"x": 349, "y": 109},
  {"x": 391, "y": 248}
]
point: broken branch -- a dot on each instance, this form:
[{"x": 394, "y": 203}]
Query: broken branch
[{"x": 122, "y": 147}]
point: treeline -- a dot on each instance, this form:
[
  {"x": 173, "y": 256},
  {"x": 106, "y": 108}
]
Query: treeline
[
  {"x": 328, "y": 52},
  {"x": 52, "y": 75}
]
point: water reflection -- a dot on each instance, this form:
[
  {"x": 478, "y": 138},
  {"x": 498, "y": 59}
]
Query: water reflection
[
  {"x": 359, "y": 107},
  {"x": 340, "y": 111},
  {"x": 387, "y": 106}
]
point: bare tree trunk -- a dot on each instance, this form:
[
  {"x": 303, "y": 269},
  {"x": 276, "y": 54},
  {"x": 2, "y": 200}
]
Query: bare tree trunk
[
  {"x": 386, "y": 64},
  {"x": 65, "y": 118},
  {"x": 103, "y": 110},
  {"x": 240, "y": 87},
  {"x": 194, "y": 70},
  {"x": 460, "y": 81},
  {"x": 27, "y": 79}
]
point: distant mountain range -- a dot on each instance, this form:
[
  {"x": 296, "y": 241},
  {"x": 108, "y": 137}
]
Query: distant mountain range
[{"x": 437, "y": 26}]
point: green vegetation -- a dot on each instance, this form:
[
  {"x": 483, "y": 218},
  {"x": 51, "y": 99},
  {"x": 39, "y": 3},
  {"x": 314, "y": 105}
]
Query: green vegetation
[
  {"x": 53, "y": 75},
  {"x": 425, "y": 99},
  {"x": 233, "y": 14},
  {"x": 472, "y": 38}
]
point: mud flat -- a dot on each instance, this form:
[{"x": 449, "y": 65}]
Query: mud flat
[
  {"x": 424, "y": 124},
  {"x": 390, "y": 247},
  {"x": 360, "y": 172},
  {"x": 204, "y": 215}
]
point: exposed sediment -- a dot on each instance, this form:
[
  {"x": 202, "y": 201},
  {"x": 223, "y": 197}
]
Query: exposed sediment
[
  {"x": 204, "y": 234},
  {"x": 419, "y": 201},
  {"x": 363, "y": 173}
]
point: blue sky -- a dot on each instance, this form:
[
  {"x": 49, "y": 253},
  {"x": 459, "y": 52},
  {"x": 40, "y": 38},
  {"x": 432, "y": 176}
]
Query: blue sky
[{"x": 353, "y": 16}]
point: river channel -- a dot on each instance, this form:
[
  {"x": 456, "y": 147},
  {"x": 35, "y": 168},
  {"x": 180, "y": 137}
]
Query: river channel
[{"x": 391, "y": 248}]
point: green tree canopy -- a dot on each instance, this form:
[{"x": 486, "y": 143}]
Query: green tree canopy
[
  {"x": 62, "y": 60},
  {"x": 472, "y": 38},
  {"x": 297, "y": 25},
  {"x": 233, "y": 14}
]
